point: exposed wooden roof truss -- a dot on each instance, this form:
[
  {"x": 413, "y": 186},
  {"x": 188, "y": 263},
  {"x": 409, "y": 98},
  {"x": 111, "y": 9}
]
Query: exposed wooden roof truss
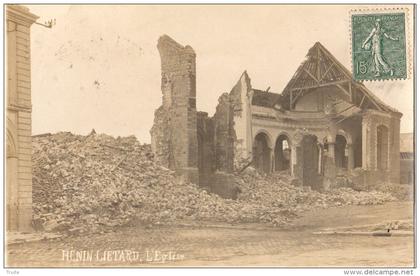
[{"x": 321, "y": 69}]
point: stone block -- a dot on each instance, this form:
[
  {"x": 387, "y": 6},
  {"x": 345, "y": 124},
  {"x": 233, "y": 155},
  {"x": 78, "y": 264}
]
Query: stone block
[{"x": 224, "y": 185}]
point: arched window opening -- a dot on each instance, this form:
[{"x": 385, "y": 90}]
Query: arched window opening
[{"x": 282, "y": 153}]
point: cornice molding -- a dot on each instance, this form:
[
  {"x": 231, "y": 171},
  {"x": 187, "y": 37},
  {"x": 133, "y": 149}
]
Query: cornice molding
[{"x": 20, "y": 15}]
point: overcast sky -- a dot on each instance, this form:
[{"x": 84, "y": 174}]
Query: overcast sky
[{"x": 99, "y": 67}]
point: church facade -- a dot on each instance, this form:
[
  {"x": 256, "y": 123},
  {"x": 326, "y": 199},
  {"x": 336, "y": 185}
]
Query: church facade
[{"x": 323, "y": 125}]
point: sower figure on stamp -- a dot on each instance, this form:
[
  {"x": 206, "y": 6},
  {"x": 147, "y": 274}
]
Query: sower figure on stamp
[{"x": 376, "y": 36}]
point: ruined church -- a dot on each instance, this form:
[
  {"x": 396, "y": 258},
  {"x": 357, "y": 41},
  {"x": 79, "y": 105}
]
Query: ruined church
[{"x": 322, "y": 126}]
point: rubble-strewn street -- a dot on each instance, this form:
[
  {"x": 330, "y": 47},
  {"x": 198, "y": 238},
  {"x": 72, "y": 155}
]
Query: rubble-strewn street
[
  {"x": 96, "y": 182},
  {"x": 222, "y": 244}
]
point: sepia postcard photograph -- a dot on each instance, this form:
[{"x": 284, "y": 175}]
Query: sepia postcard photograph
[{"x": 209, "y": 136}]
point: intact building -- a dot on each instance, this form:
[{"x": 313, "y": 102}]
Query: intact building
[{"x": 18, "y": 119}]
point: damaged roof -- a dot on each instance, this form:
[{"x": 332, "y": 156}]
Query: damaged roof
[
  {"x": 321, "y": 68},
  {"x": 318, "y": 68},
  {"x": 264, "y": 98}
]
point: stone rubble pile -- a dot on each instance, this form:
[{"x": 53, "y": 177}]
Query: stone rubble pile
[
  {"x": 353, "y": 180},
  {"x": 276, "y": 191},
  {"x": 96, "y": 182},
  {"x": 400, "y": 191}
]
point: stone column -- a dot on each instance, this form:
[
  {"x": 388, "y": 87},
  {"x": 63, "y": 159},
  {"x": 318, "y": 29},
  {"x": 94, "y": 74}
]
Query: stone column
[
  {"x": 298, "y": 164},
  {"x": 331, "y": 152},
  {"x": 292, "y": 160},
  {"x": 350, "y": 157},
  {"x": 271, "y": 169},
  {"x": 296, "y": 158},
  {"x": 329, "y": 168},
  {"x": 366, "y": 142},
  {"x": 320, "y": 159}
]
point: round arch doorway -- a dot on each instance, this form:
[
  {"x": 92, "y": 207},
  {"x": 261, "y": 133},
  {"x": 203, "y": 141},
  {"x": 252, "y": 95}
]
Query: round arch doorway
[{"x": 261, "y": 153}]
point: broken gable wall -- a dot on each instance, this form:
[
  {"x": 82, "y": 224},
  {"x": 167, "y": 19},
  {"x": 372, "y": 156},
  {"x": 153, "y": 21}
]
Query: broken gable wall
[
  {"x": 241, "y": 95},
  {"x": 225, "y": 135}
]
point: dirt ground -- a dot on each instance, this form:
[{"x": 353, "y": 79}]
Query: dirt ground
[{"x": 233, "y": 245}]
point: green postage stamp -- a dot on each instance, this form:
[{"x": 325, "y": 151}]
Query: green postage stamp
[{"x": 379, "y": 46}]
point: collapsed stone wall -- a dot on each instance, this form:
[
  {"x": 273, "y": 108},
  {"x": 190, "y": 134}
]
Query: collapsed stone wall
[
  {"x": 216, "y": 137},
  {"x": 206, "y": 153},
  {"x": 161, "y": 144}
]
